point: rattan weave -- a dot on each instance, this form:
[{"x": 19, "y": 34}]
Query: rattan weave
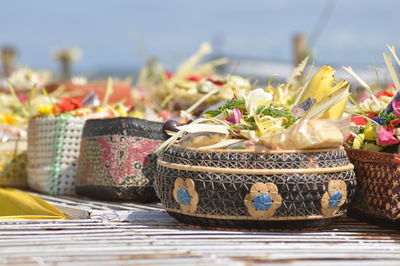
[{"x": 378, "y": 183}]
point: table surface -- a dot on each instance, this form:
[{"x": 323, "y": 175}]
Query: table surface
[{"x": 109, "y": 233}]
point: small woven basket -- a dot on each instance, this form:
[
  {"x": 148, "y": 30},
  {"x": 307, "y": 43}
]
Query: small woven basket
[
  {"x": 13, "y": 161},
  {"x": 239, "y": 189},
  {"x": 378, "y": 186},
  {"x": 53, "y": 149},
  {"x": 116, "y": 160}
]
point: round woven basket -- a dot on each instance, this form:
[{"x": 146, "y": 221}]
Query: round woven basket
[
  {"x": 241, "y": 189},
  {"x": 378, "y": 186},
  {"x": 13, "y": 161},
  {"x": 53, "y": 149},
  {"x": 116, "y": 161}
]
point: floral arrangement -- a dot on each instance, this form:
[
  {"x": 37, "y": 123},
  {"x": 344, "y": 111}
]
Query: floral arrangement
[
  {"x": 376, "y": 118},
  {"x": 17, "y": 108},
  {"x": 192, "y": 88},
  {"x": 74, "y": 107},
  {"x": 258, "y": 119},
  {"x": 25, "y": 79}
]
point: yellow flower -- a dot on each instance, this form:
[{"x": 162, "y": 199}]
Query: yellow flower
[
  {"x": 358, "y": 141},
  {"x": 369, "y": 132},
  {"x": 45, "y": 109},
  {"x": 121, "y": 111},
  {"x": 8, "y": 119},
  {"x": 136, "y": 114}
]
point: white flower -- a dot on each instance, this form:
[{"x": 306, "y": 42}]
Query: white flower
[
  {"x": 25, "y": 79},
  {"x": 256, "y": 98}
]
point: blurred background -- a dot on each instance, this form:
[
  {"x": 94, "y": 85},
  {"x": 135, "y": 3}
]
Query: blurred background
[{"x": 118, "y": 37}]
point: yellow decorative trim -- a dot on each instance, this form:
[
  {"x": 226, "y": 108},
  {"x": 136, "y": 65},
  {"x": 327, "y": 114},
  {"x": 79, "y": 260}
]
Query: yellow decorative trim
[
  {"x": 333, "y": 187},
  {"x": 189, "y": 186},
  {"x": 257, "y": 189},
  {"x": 220, "y": 170}
]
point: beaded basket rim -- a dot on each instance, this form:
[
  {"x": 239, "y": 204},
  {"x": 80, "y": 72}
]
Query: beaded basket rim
[
  {"x": 254, "y": 152},
  {"x": 222, "y": 170}
]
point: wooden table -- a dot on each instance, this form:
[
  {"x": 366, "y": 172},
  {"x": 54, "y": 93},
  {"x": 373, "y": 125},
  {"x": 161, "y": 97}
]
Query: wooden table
[{"x": 105, "y": 233}]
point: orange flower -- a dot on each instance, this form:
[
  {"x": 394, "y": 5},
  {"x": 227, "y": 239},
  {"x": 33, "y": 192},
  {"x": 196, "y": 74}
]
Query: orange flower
[{"x": 69, "y": 104}]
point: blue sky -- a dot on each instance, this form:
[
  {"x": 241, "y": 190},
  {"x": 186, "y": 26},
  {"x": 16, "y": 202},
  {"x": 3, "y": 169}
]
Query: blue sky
[{"x": 123, "y": 33}]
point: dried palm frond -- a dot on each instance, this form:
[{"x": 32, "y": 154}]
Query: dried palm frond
[
  {"x": 389, "y": 65},
  {"x": 297, "y": 71},
  {"x": 187, "y": 66},
  {"x": 362, "y": 83}
]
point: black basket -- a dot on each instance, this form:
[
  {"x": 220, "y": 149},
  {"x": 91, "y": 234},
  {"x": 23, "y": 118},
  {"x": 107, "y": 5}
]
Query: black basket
[
  {"x": 241, "y": 189},
  {"x": 116, "y": 160}
]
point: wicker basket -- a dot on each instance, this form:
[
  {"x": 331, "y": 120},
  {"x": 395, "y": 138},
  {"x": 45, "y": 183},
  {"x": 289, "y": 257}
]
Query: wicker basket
[
  {"x": 13, "y": 163},
  {"x": 116, "y": 161},
  {"x": 378, "y": 182},
  {"x": 239, "y": 189},
  {"x": 53, "y": 149}
]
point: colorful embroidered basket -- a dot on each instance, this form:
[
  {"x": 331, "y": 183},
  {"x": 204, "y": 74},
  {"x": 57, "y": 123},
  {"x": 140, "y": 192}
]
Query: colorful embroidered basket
[
  {"x": 13, "y": 163},
  {"x": 239, "y": 189},
  {"x": 53, "y": 149},
  {"x": 378, "y": 187},
  {"x": 116, "y": 161}
]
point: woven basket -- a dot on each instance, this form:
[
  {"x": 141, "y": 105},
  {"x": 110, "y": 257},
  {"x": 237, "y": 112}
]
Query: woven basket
[
  {"x": 13, "y": 163},
  {"x": 239, "y": 189},
  {"x": 53, "y": 149},
  {"x": 116, "y": 161},
  {"x": 378, "y": 182}
]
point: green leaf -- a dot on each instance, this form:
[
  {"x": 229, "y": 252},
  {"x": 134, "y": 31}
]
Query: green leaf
[
  {"x": 285, "y": 113},
  {"x": 387, "y": 117},
  {"x": 238, "y": 103},
  {"x": 237, "y": 147},
  {"x": 213, "y": 113}
]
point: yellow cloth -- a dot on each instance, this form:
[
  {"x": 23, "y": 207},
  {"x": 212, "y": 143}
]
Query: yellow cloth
[{"x": 16, "y": 204}]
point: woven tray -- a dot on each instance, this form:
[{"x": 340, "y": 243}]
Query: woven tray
[
  {"x": 53, "y": 149},
  {"x": 240, "y": 189},
  {"x": 116, "y": 162},
  {"x": 378, "y": 183},
  {"x": 13, "y": 161}
]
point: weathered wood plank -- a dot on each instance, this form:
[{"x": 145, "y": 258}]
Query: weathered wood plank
[{"x": 129, "y": 233}]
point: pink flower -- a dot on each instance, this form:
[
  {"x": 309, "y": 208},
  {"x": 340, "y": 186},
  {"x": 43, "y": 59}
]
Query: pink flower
[
  {"x": 396, "y": 107},
  {"x": 386, "y": 136},
  {"x": 363, "y": 98},
  {"x": 23, "y": 97},
  {"x": 235, "y": 117}
]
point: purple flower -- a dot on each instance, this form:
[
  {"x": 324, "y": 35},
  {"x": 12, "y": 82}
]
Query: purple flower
[
  {"x": 235, "y": 117},
  {"x": 380, "y": 121}
]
